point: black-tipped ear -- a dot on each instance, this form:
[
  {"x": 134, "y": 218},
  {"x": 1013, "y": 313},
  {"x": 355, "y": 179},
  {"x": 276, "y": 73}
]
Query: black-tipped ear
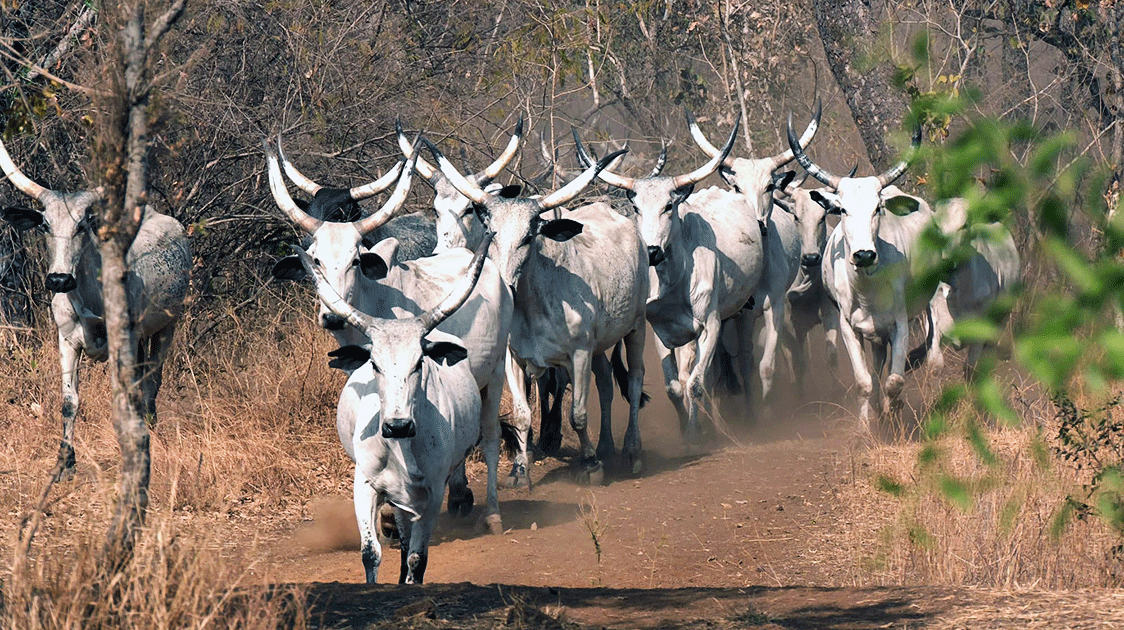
[
  {"x": 781, "y": 180},
  {"x": 680, "y": 194},
  {"x": 445, "y": 352},
  {"x": 902, "y": 205},
  {"x": 481, "y": 211},
  {"x": 511, "y": 191},
  {"x": 560, "y": 230},
  {"x": 373, "y": 266},
  {"x": 289, "y": 268},
  {"x": 22, "y": 218},
  {"x": 827, "y": 204},
  {"x": 726, "y": 173},
  {"x": 349, "y": 357}
]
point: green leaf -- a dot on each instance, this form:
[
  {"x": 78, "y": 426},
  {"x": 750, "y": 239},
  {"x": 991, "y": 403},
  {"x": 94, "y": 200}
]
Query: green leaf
[{"x": 956, "y": 492}]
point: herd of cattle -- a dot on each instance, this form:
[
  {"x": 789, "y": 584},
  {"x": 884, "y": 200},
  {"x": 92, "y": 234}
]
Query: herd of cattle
[{"x": 432, "y": 318}]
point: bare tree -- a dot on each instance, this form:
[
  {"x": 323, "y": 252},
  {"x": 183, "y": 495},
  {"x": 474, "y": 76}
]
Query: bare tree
[{"x": 121, "y": 152}]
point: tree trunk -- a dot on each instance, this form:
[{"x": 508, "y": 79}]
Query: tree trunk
[{"x": 863, "y": 74}]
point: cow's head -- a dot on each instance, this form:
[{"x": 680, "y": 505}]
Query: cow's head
[
  {"x": 657, "y": 198},
  {"x": 860, "y": 202},
  {"x": 755, "y": 178},
  {"x": 336, "y": 248},
  {"x": 518, "y": 221},
  {"x": 65, "y": 217},
  {"x": 398, "y": 348},
  {"x": 457, "y": 225}
]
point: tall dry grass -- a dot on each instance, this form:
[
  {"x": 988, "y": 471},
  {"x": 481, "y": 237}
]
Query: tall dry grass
[
  {"x": 246, "y": 435},
  {"x": 1001, "y": 533}
]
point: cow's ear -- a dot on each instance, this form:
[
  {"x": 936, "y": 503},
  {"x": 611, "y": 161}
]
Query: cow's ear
[
  {"x": 781, "y": 180},
  {"x": 289, "y": 268},
  {"x": 373, "y": 266},
  {"x": 445, "y": 352},
  {"x": 22, "y": 218},
  {"x": 727, "y": 174},
  {"x": 828, "y": 201},
  {"x": 679, "y": 195},
  {"x": 349, "y": 357},
  {"x": 481, "y": 211},
  {"x": 510, "y": 192},
  {"x": 560, "y": 230},
  {"x": 901, "y": 205}
]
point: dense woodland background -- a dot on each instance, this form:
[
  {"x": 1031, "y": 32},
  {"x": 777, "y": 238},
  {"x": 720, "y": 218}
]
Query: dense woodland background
[{"x": 331, "y": 76}]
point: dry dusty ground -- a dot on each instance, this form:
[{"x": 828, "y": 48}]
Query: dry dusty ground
[{"x": 749, "y": 534}]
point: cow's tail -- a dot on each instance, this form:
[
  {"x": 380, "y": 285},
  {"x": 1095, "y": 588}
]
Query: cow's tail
[{"x": 620, "y": 372}]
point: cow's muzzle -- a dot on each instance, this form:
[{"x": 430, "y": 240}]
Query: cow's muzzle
[
  {"x": 396, "y": 429},
  {"x": 655, "y": 255},
  {"x": 864, "y": 257},
  {"x": 331, "y": 321},
  {"x": 811, "y": 260},
  {"x": 61, "y": 282}
]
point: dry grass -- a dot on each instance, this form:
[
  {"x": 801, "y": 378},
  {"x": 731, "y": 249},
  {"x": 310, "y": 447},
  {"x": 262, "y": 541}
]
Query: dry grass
[
  {"x": 246, "y": 436},
  {"x": 1000, "y": 534}
]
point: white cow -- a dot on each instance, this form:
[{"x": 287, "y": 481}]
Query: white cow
[
  {"x": 706, "y": 255},
  {"x": 570, "y": 305},
  {"x": 159, "y": 264},
  {"x": 756, "y": 179},
  {"x": 989, "y": 267},
  {"x": 869, "y": 262},
  {"x": 378, "y": 283},
  {"x": 407, "y": 417}
]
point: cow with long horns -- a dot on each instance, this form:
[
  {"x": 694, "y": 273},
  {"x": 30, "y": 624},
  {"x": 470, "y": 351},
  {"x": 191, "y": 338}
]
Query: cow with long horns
[
  {"x": 570, "y": 307},
  {"x": 379, "y": 283},
  {"x": 408, "y": 416},
  {"x": 159, "y": 265},
  {"x": 869, "y": 262}
]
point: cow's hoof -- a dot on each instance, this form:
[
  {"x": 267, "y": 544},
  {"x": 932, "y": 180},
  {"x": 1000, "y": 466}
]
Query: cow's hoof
[
  {"x": 635, "y": 463},
  {"x": 518, "y": 477},
  {"x": 493, "y": 524},
  {"x": 460, "y": 502},
  {"x": 387, "y": 525},
  {"x": 592, "y": 474}
]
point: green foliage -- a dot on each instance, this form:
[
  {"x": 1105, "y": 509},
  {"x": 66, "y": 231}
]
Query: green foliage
[{"x": 1093, "y": 441}]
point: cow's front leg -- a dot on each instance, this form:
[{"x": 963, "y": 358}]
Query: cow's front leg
[
  {"x": 69, "y": 355},
  {"x": 603, "y": 378},
  {"x": 696, "y": 385},
  {"x": 634, "y": 351},
  {"x": 580, "y": 370},
  {"x": 521, "y": 422},
  {"x": 364, "y": 498},
  {"x": 490, "y": 444},
  {"x": 899, "y": 341},
  {"x": 671, "y": 382},
  {"x": 854, "y": 349}
]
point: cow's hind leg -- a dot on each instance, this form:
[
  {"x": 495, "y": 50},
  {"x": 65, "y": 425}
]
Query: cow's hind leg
[
  {"x": 671, "y": 382},
  {"x": 150, "y": 369},
  {"x": 603, "y": 377},
  {"x": 365, "y": 500},
  {"x": 460, "y": 495},
  {"x": 552, "y": 388}
]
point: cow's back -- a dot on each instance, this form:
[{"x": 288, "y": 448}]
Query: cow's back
[{"x": 159, "y": 262}]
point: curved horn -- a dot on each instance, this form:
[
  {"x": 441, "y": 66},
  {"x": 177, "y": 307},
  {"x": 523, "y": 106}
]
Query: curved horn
[
  {"x": 460, "y": 292},
  {"x": 587, "y": 162},
  {"x": 379, "y": 185},
  {"x": 708, "y": 168},
  {"x": 854, "y": 169},
  {"x": 425, "y": 169},
  {"x": 661, "y": 161},
  {"x": 368, "y": 224},
  {"x": 331, "y": 298},
  {"x": 463, "y": 185},
  {"x": 305, "y": 221},
  {"x": 18, "y": 179},
  {"x": 898, "y": 169},
  {"x": 486, "y": 176},
  {"x": 700, "y": 139},
  {"x": 806, "y": 162},
  {"x": 571, "y": 190},
  {"x": 805, "y": 138},
  {"x": 296, "y": 176}
]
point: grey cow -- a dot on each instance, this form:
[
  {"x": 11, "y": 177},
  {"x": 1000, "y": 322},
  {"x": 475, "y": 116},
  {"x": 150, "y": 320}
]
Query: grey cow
[{"x": 159, "y": 263}]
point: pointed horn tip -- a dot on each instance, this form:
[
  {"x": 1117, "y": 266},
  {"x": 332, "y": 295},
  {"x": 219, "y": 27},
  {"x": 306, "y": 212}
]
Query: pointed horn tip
[
  {"x": 519, "y": 126},
  {"x": 268, "y": 149},
  {"x": 608, "y": 159}
]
